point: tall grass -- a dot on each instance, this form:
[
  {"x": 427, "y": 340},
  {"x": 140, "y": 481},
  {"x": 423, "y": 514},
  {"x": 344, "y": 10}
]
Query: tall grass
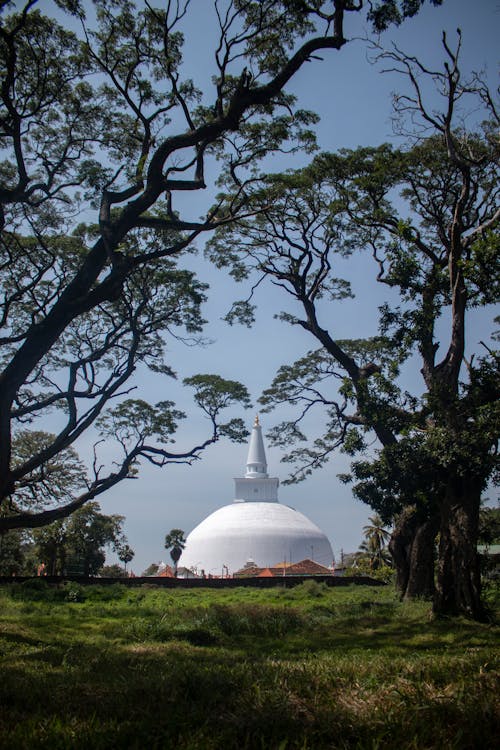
[{"x": 289, "y": 669}]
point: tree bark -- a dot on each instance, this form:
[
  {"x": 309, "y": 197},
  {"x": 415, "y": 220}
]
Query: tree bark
[
  {"x": 399, "y": 546},
  {"x": 422, "y": 560},
  {"x": 458, "y": 589},
  {"x": 412, "y": 549}
]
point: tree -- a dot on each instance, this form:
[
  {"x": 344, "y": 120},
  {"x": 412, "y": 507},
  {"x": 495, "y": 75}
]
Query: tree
[
  {"x": 101, "y": 132},
  {"x": 151, "y": 570},
  {"x": 59, "y": 477},
  {"x": 113, "y": 571},
  {"x": 403, "y": 484},
  {"x": 126, "y": 554},
  {"x": 489, "y": 535},
  {"x": 376, "y": 537},
  {"x": 428, "y": 215},
  {"x": 175, "y": 541},
  {"x": 50, "y": 543},
  {"x": 77, "y": 544},
  {"x": 14, "y": 546},
  {"x": 489, "y": 525},
  {"x": 88, "y": 533}
]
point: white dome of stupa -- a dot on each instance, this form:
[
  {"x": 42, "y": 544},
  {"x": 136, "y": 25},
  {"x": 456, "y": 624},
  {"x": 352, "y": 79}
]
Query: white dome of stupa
[{"x": 256, "y": 526}]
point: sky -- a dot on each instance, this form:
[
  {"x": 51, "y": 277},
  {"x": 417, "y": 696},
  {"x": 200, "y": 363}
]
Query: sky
[{"x": 353, "y": 99}]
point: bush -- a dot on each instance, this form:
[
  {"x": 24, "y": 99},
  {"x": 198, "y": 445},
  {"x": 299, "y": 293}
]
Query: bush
[
  {"x": 310, "y": 589},
  {"x": 362, "y": 568},
  {"x": 74, "y": 592},
  {"x": 34, "y": 589},
  {"x": 113, "y": 571},
  {"x": 146, "y": 629}
]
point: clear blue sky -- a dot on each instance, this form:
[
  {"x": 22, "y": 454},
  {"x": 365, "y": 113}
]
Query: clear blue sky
[{"x": 354, "y": 101}]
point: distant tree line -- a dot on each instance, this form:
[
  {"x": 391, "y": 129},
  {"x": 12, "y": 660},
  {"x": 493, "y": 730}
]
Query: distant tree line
[{"x": 73, "y": 546}]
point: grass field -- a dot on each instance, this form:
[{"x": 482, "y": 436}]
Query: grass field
[{"x": 305, "y": 668}]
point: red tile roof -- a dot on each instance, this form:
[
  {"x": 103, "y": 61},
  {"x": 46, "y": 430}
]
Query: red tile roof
[
  {"x": 266, "y": 573},
  {"x": 304, "y": 568}
]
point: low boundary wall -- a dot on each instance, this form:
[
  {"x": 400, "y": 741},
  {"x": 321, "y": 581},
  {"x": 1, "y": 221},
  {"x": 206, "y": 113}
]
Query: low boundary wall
[{"x": 201, "y": 583}]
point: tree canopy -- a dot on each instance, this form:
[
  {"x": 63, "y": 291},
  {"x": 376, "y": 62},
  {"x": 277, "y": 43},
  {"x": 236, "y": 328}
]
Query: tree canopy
[
  {"x": 175, "y": 541},
  {"x": 102, "y": 134},
  {"x": 428, "y": 216},
  {"x": 74, "y": 546},
  {"x": 100, "y": 130}
]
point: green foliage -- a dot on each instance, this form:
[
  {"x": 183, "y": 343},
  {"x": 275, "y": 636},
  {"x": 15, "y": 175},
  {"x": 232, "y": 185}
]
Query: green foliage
[
  {"x": 383, "y": 13},
  {"x": 308, "y": 590},
  {"x": 77, "y": 545},
  {"x": 489, "y": 525},
  {"x": 483, "y": 268},
  {"x": 347, "y": 201},
  {"x": 55, "y": 479},
  {"x": 113, "y": 571},
  {"x": 15, "y": 554},
  {"x": 151, "y": 570},
  {"x": 34, "y": 589},
  {"x": 139, "y": 420},
  {"x": 373, "y": 558},
  {"x": 427, "y": 214},
  {"x": 214, "y": 393},
  {"x": 362, "y": 566},
  {"x": 241, "y": 312},
  {"x": 401, "y": 475},
  {"x": 74, "y": 592},
  {"x": 175, "y": 541},
  {"x": 96, "y": 111},
  {"x": 125, "y": 553}
]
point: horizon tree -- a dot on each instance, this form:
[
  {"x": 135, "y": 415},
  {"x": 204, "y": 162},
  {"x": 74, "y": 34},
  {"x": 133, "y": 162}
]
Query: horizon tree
[
  {"x": 175, "y": 542},
  {"x": 14, "y": 551},
  {"x": 125, "y": 554},
  {"x": 79, "y": 542},
  {"x": 376, "y": 537},
  {"x": 428, "y": 216},
  {"x": 113, "y": 571},
  {"x": 60, "y": 477},
  {"x": 101, "y": 134}
]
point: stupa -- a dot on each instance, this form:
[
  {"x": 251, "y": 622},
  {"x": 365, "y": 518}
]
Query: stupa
[{"x": 255, "y": 528}]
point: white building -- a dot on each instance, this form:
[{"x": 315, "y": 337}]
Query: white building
[{"x": 255, "y": 527}]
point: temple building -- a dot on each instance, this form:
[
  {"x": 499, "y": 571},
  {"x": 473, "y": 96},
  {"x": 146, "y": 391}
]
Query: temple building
[{"x": 255, "y": 529}]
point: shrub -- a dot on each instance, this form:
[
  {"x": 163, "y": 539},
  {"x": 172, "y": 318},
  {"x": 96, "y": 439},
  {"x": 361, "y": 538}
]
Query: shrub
[
  {"x": 34, "y": 589},
  {"x": 310, "y": 589},
  {"x": 362, "y": 568},
  {"x": 74, "y": 592}
]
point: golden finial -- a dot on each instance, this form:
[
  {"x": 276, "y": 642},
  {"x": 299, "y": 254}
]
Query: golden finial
[{"x": 256, "y": 423}]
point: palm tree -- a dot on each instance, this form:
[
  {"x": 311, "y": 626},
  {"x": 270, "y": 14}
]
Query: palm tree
[
  {"x": 375, "y": 544},
  {"x": 175, "y": 541},
  {"x": 125, "y": 554}
]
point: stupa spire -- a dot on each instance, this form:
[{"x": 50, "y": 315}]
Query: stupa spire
[
  {"x": 256, "y": 461},
  {"x": 256, "y": 485}
]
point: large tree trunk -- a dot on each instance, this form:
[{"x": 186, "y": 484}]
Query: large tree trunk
[
  {"x": 459, "y": 582},
  {"x": 400, "y": 546},
  {"x": 412, "y": 549},
  {"x": 422, "y": 559}
]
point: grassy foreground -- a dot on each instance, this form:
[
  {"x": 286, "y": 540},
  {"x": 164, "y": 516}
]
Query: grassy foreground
[{"x": 306, "y": 668}]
